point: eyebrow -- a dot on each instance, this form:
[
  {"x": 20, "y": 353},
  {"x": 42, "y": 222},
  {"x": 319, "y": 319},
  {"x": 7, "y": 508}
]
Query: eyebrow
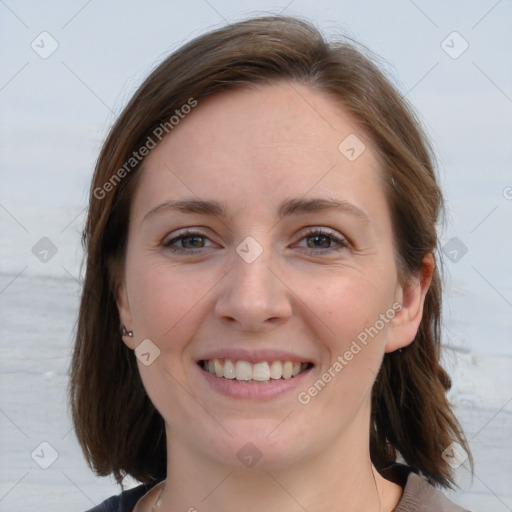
[{"x": 287, "y": 208}]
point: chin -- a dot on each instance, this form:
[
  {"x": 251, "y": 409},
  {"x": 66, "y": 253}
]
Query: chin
[{"x": 259, "y": 444}]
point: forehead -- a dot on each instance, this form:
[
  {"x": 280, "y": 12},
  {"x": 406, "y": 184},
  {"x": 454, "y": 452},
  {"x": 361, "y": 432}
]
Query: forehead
[{"x": 262, "y": 143}]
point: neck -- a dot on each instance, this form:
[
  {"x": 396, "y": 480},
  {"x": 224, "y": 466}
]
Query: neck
[{"x": 341, "y": 478}]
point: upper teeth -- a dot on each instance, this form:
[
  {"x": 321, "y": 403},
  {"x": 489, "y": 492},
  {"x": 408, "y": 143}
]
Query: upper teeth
[{"x": 245, "y": 371}]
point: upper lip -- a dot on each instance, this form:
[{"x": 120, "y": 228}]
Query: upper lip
[{"x": 254, "y": 356}]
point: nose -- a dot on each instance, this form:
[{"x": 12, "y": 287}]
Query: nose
[{"x": 253, "y": 296}]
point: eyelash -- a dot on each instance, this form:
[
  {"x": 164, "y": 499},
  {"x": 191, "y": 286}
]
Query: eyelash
[
  {"x": 340, "y": 240},
  {"x": 311, "y": 232}
]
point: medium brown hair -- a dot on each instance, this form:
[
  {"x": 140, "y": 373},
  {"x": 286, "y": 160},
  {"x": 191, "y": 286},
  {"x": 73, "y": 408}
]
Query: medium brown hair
[{"x": 117, "y": 426}]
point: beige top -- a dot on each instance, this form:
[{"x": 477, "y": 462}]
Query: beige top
[{"x": 420, "y": 496}]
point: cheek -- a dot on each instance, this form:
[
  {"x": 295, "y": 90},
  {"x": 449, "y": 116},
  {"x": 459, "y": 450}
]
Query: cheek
[
  {"x": 162, "y": 298},
  {"x": 356, "y": 310},
  {"x": 166, "y": 307},
  {"x": 351, "y": 303}
]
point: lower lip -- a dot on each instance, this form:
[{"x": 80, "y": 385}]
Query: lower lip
[{"x": 253, "y": 391}]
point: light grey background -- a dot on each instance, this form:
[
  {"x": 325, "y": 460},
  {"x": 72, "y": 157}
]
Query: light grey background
[{"x": 55, "y": 112}]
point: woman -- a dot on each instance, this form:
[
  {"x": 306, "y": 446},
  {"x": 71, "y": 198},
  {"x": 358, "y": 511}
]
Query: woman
[{"x": 259, "y": 325}]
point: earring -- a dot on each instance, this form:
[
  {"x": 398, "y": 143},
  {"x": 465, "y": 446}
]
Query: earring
[{"x": 124, "y": 332}]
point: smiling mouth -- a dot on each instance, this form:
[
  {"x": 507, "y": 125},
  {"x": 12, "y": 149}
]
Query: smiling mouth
[{"x": 257, "y": 373}]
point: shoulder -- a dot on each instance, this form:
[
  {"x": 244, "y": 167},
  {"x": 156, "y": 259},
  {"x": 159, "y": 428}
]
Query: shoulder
[
  {"x": 419, "y": 495},
  {"x": 126, "y": 501}
]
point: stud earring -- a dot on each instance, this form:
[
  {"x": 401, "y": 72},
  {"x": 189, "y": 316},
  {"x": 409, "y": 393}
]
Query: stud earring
[{"x": 125, "y": 332}]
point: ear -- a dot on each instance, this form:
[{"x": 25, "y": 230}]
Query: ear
[
  {"x": 125, "y": 315},
  {"x": 405, "y": 324}
]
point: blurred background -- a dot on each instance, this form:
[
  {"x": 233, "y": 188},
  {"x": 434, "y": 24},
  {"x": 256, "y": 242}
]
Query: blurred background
[{"x": 68, "y": 68}]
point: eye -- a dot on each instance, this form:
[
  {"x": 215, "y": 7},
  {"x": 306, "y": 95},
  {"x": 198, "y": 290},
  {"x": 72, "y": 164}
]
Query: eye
[
  {"x": 320, "y": 240},
  {"x": 191, "y": 242}
]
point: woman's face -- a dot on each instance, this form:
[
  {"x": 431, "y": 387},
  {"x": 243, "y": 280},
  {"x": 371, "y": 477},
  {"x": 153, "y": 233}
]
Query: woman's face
[{"x": 260, "y": 245}]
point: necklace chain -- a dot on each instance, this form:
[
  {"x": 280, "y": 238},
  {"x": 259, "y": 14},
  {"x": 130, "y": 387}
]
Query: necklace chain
[{"x": 156, "y": 506}]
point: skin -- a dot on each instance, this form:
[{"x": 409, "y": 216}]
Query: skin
[{"x": 252, "y": 149}]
